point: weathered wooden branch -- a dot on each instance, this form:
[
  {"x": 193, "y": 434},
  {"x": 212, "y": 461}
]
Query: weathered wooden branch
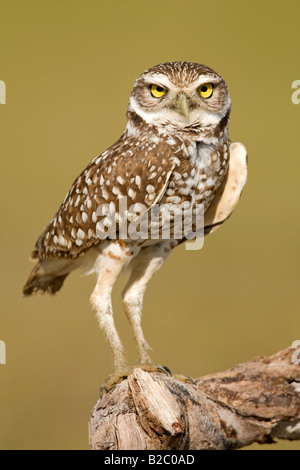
[{"x": 257, "y": 401}]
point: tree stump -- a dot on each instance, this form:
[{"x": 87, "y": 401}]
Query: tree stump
[{"x": 257, "y": 401}]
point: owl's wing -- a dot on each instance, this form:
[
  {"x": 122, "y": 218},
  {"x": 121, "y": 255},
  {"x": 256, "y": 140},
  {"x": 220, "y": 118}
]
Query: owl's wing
[
  {"x": 229, "y": 193},
  {"x": 131, "y": 168}
]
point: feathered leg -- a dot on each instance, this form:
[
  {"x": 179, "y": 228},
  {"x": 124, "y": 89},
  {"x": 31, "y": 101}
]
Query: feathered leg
[
  {"x": 149, "y": 260},
  {"x": 111, "y": 261}
]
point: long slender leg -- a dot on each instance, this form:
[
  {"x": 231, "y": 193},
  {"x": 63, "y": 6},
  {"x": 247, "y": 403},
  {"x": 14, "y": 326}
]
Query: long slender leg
[
  {"x": 110, "y": 263},
  {"x": 148, "y": 261}
]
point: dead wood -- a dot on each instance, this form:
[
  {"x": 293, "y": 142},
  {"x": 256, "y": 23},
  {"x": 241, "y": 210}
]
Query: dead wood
[{"x": 257, "y": 401}]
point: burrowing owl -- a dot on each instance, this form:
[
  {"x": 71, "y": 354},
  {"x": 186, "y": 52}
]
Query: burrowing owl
[{"x": 174, "y": 152}]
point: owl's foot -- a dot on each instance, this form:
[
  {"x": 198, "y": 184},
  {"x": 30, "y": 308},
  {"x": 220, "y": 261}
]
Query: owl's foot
[
  {"x": 114, "y": 379},
  {"x": 149, "y": 367},
  {"x": 184, "y": 378},
  {"x": 121, "y": 374}
]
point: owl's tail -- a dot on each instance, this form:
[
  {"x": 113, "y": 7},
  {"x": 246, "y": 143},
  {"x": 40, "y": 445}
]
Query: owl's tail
[{"x": 47, "y": 276}]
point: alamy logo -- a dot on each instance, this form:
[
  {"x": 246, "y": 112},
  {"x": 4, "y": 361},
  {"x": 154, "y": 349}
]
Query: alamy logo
[
  {"x": 2, "y": 92},
  {"x": 296, "y": 94},
  {"x": 167, "y": 221},
  {"x": 2, "y": 353}
]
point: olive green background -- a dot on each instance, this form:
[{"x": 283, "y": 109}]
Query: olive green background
[{"x": 69, "y": 67}]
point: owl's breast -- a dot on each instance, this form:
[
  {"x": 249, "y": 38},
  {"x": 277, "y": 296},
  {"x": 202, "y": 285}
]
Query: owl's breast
[
  {"x": 212, "y": 165},
  {"x": 197, "y": 178}
]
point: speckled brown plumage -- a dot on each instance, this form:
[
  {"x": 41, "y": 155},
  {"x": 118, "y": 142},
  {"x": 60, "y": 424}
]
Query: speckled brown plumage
[{"x": 132, "y": 168}]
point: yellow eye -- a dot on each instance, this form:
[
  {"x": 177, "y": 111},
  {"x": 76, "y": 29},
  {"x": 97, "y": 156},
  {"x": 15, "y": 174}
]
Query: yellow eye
[
  {"x": 158, "y": 91},
  {"x": 206, "y": 90}
]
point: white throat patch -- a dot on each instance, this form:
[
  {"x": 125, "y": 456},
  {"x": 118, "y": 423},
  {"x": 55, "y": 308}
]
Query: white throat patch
[{"x": 167, "y": 118}]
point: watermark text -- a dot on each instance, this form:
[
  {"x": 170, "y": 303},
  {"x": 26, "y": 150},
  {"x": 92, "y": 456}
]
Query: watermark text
[
  {"x": 2, "y": 92},
  {"x": 296, "y": 94},
  {"x": 2, "y": 353},
  {"x": 169, "y": 221}
]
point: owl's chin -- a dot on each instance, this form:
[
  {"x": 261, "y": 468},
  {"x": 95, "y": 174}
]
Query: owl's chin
[
  {"x": 193, "y": 130},
  {"x": 200, "y": 122}
]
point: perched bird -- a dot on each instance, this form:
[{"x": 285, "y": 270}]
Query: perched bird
[{"x": 175, "y": 152}]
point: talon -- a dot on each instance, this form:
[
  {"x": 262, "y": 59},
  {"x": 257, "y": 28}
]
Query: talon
[
  {"x": 105, "y": 389},
  {"x": 167, "y": 370},
  {"x": 185, "y": 379},
  {"x": 149, "y": 367}
]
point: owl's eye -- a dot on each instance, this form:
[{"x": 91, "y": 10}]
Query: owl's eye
[
  {"x": 206, "y": 90},
  {"x": 158, "y": 91}
]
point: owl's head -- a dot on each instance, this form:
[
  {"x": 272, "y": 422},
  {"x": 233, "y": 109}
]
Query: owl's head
[{"x": 181, "y": 97}]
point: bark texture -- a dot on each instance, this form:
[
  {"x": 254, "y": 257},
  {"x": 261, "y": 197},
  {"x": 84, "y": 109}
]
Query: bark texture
[{"x": 257, "y": 401}]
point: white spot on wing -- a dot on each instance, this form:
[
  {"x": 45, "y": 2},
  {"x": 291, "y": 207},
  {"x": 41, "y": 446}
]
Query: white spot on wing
[{"x": 80, "y": 234}]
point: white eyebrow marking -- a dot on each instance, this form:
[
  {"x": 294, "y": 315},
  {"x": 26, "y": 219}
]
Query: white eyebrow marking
[
  {"x": 205, "y": 78},
  {"x": 158, "y": 79},
  {"x": 163, "y": 80}
]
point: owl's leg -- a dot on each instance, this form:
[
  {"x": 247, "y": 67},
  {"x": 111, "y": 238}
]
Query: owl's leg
[
  {"x": 149, "y": 260},
  {"x": 110, "y": 262}
]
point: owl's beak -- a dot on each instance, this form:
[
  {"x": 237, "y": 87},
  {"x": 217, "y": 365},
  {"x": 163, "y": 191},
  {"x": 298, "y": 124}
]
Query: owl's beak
[{"x": 183, "y": 106}]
